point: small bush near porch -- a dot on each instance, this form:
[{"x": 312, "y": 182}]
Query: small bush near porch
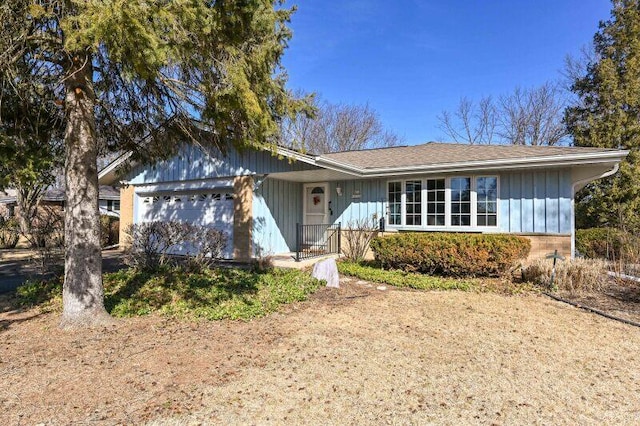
[
  {"x": 173, "y": 291},
  {"x": 451, "y": 254}
]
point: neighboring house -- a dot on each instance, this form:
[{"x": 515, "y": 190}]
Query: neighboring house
[
  {"x": 258, "y": 198},
  {"x": 109, "y": 201}
]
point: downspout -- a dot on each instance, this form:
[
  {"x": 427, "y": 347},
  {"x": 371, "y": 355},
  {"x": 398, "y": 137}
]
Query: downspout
[{"x": 584, "y": 181}]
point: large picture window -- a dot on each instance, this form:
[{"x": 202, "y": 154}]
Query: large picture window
[
  {"x": 395, "y": 203},
  {"x": 444, "y": 203},
  {"x": 461, "y": 201}
]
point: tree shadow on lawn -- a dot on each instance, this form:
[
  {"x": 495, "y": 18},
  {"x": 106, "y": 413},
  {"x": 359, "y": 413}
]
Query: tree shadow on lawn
[
  {"x": 130, "y": 291},
  {"x": 12, "y": 311}
]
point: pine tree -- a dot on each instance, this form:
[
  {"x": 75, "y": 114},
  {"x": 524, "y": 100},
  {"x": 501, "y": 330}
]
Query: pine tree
[
  {"x": 607, "y": 115},
  {"x": 158, "y": 71}
]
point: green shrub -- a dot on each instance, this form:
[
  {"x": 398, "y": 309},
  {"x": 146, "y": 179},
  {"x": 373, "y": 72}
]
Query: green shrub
[
  {"x": 573, "y": 276},
  {"x": 402, "y": 279},
  {"x": 173, "y": 291},
  {"x": 9, "y": 233},
  {"x": 451, "y": 254},
  {"x": 604, "y": 243},
  {"x": 40, "y": 292}
]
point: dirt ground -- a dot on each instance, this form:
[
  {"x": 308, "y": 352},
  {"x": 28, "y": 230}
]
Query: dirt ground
[
  {"x": 620, "y": 298},
  {"x": 356, "y": 355}
]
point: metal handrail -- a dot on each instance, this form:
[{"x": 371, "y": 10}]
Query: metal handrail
[{"x": 317, "y": 240}]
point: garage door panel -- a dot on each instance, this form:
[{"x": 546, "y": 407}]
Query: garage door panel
[{"x": 210, "y": 209}]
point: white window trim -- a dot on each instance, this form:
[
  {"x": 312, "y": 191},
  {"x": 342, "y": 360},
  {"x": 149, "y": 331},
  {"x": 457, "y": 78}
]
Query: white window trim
[
  {"x": 447, "y": 207},
  {"x": 388, "y": 212}
]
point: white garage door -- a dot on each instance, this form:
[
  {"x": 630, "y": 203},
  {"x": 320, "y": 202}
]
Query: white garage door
[{"x": 211, "y": 208}]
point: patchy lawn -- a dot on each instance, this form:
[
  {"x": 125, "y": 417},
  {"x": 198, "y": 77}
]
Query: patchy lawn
[
  {"x": 620, "y": 298},
  {"x": 349, "y": 356}
]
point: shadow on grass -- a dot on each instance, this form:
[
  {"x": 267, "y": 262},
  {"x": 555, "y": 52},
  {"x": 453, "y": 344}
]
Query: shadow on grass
[{"x": 131, "y": 292}]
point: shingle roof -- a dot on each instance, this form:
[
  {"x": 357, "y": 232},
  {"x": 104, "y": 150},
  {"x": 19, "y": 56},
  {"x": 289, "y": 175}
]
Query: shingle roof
[{"x": 436, "y": 153}]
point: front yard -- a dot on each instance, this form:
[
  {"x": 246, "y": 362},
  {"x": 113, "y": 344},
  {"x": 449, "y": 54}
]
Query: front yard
[{"x": 356, "y": 355}]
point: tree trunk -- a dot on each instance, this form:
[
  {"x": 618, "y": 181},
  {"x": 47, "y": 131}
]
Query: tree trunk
[{"x": 82, "y": 294}]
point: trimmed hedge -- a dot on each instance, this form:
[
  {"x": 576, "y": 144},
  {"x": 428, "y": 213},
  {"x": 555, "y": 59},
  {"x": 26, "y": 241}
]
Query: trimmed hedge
[
  {"x": 605, "y": 243},
  {"x": 451, "y": 254}
]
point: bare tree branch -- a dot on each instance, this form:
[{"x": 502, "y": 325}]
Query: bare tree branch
[{"x": 337, "y": 127}]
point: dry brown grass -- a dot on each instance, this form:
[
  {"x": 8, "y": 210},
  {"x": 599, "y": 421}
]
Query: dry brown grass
[
  {"x": 572, "y": 276},
  {"x": 352, "y": 356}
]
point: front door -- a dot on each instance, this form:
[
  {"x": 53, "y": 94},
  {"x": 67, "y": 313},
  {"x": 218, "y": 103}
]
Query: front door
[{"x": 316, "y": 204}]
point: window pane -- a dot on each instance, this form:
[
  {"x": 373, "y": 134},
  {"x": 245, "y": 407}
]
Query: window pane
[
  {"x": 487, "y": 207},
  {"x": 395, "y": 206}
]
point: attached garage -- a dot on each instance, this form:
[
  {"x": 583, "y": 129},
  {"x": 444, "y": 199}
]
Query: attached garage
[{"x": 211, "y": 207}]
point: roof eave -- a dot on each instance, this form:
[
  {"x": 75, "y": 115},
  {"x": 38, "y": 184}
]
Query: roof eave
[{"x": 502, "y": 164}]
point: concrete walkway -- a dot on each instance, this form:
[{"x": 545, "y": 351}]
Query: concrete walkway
[{"x": 288, "y": 260}]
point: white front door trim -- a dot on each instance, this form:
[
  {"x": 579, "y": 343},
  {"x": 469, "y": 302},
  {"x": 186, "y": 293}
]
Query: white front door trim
[{"x": 306, "y": 213}]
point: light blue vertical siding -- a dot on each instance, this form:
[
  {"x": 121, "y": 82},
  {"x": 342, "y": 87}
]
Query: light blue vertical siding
[
  {"x": 277, "y": 208},
  {"x": 552, "y": 205},
  {"x": 192, "y": 162},
  {"x": 564, "y": 202},
  {"x": 537, "y": 202},
  {"x": 526, "y": 202},
  {"x": 515, "y": 203},
  {"x": 348, "y": 207}
]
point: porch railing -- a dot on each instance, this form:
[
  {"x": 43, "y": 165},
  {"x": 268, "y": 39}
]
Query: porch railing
[{"x": 317, "y": 240}]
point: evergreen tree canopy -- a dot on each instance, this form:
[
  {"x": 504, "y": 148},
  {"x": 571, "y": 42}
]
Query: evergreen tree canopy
[
  {"x": 607, "y": 115},
  {"x": 157, "y": 71}
]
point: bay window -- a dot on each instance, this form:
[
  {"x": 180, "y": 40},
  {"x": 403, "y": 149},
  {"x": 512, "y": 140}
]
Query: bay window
[{"x": 456, "y": 203}]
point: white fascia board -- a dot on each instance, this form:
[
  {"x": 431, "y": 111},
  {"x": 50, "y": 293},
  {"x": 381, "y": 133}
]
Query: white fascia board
[
  {"x": 503, "y": 164},
  {"x": 298, "y": 156},
  {"x": 107, "y": 176}
]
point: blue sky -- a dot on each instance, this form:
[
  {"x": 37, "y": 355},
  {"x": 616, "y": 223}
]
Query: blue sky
[{"x": 411, "y": 59}]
